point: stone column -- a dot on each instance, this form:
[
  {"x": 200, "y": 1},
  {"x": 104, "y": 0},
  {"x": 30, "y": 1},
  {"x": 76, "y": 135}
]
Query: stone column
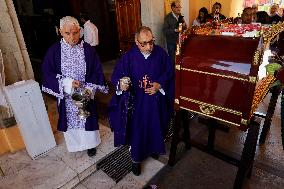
[
  {"x": 185, "y": 10},
  {"x": 152, "y": 15},
  {"x": 15, "y": 56}
]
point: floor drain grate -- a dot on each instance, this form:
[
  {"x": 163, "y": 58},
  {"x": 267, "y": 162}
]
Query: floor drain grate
[{"x": 117, "y": 164}]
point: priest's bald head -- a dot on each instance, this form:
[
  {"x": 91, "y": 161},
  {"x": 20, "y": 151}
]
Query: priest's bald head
[
  {"x": 144, "y": 39},
  {"x": 70, "y": 30}
]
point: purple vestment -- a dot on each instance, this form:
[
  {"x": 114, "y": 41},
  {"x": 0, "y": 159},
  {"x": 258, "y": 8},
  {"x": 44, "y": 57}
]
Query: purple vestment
[
  {"x": 137, "y": 118},
  {"x": 89, "y": 73}
]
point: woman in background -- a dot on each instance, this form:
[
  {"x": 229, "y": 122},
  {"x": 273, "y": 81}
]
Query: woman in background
[{"x": 202, "y": 16}]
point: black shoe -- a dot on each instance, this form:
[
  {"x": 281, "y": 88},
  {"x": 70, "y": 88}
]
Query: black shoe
[
  {"x": 155, "y": 156},
  {"x": 92, "y": 152},
  {"x": 136, "y": 169}
]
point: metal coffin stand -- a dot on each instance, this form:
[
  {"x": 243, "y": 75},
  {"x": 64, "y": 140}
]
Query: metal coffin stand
[
  {"x": 245, "y": 164},
  {"x": 190, "y": 96}
]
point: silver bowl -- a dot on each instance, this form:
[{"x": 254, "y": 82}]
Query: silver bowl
[{"x": 81, "y": 99}]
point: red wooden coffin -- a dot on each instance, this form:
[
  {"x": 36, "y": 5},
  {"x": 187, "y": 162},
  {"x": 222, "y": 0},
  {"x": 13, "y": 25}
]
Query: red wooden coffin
[{"x": 216, "y": 76}]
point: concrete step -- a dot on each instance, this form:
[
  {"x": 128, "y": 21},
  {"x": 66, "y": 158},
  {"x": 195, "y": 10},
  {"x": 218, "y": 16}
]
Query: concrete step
[{"x": 58, "y": 169}]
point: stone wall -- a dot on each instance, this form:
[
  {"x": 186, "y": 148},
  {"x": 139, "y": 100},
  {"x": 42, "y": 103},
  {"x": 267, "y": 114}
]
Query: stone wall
[
  {"x": 152, "y": 15},
  {"x": 15, "y": 56}
]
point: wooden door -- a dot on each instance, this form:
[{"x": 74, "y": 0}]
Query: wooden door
[{"x": 128, "y": 17}]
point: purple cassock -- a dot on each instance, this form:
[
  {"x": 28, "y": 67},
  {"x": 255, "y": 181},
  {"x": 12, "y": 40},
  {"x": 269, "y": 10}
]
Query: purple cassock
[
  {"x": 80, "y": 63},
  {"x": 139, "y": 119}
]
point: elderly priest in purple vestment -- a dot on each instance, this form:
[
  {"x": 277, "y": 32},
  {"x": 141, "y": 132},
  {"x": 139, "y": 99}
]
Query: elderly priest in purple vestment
[
  {"x": 70, "y": 64},
  {"x": 141, "y": 109}
]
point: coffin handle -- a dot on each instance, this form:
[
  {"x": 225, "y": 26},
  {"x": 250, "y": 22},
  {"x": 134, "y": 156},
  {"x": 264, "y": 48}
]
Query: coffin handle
[{"x": 206, "y": 109}]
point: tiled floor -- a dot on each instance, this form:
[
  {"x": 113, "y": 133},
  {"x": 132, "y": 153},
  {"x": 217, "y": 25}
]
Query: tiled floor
[
  {"x": 202, "y": 171},
  {"x": 57, "y": 169},
  {"x": 61, "y": 169},
  {"x": 99, "y": 180}
]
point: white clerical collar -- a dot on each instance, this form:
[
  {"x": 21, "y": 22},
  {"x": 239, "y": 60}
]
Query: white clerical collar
[
  {"x": 146, "y": 55},
  {"x": 87, "y": 22},
  {"x": 176, "y": 17}
]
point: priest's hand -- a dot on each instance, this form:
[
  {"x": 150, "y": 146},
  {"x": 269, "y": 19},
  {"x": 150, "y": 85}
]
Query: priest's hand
[
  {"x": 124, "y": 87},
  {"x": 124, "y": 83},
  {"x": 75, "y": 84},
  {"x": 152, "y": 90}
]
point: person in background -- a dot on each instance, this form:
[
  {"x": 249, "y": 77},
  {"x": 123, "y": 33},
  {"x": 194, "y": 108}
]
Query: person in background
[
  {"x": 70, "y": 64},
  {"x": 90, "y": 31},
  {"x": 254, "y": 12},
  {"x": 216, "y": 15},
  {"x": 170, "y": 28},
  {"x": 142, "y": 107},
  {"x": 247, "y": 15},
  {"x": 274, "y": 18},
  {"x": 202, "y": 17},
  {"x": 262, "y": 17}
]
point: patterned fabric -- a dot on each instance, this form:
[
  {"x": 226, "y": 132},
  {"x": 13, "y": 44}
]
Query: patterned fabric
[
  {"x": 73, "y": 65},
  {"x": 95, "y": 88}
]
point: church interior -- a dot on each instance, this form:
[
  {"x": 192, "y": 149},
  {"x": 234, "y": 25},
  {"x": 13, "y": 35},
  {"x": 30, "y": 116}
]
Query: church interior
[{"x": 227, "y": 127}]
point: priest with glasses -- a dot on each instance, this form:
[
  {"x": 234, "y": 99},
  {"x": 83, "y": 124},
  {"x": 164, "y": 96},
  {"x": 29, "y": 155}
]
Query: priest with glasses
[{"x": 142, "y": 105}]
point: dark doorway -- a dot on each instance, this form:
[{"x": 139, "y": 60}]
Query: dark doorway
[{"x": 39, "y": 21}]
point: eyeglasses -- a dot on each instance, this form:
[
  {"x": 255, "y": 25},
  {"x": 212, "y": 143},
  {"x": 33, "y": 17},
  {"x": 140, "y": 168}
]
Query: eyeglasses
[{"x": 144, "y": 43}]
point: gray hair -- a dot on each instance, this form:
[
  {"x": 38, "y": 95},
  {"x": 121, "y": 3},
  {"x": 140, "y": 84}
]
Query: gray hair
[
  {"x": 142, "y": 29},
  {"x": 68, "y": 20}
]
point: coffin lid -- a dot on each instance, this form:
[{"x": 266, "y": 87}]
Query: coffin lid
[{"x": 225, "y": 55}]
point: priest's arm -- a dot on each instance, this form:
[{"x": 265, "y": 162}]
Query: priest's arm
[{"x": 52, "y": 82}]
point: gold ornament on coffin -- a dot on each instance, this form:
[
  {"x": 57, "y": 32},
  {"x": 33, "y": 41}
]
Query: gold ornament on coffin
[
  {"x": 177, "y": 101},
  {"x": 178, "y": 50},
  {"x": 269, "y": 35},
  {"x": 263, "y": 85},
  {"x": 256, "y": 57},
  {"x": 260, "y": 92},
  {"x": 178, "y": 67},
  {"x": 244, "y": 122},
  {"x": 250, "y": 79},
  {"x": 211, "y": 105},
  {"x": 208, "y": 110}
]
